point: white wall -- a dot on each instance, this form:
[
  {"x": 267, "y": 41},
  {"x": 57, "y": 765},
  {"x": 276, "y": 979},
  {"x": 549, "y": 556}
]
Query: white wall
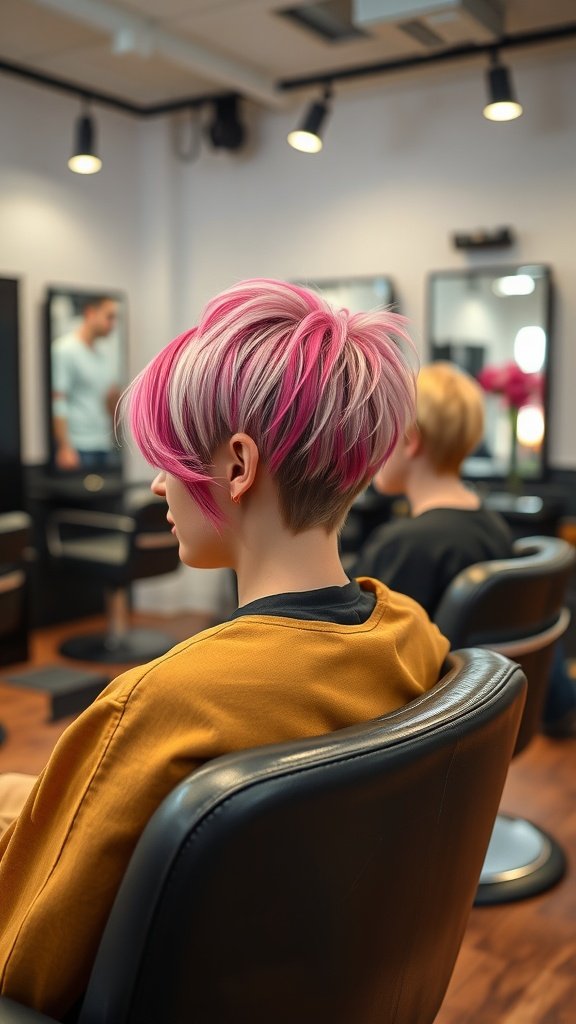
[
  {"x": 60, "y": 228},
  {"x": 404, "y": 164}
]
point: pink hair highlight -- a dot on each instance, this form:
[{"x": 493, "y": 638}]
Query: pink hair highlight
[{"x": 324, "y": 394}]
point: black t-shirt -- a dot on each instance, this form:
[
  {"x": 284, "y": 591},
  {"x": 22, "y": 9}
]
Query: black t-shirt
[
  {"x": 422, "y": 555},
  {"x": 348, "y": 605}
]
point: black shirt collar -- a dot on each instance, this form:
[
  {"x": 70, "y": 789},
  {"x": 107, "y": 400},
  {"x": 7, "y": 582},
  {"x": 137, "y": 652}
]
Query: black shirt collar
[{"x": 348, "y": 605}]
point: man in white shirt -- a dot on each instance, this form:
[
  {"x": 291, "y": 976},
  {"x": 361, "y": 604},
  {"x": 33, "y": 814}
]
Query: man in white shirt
[{"x": 84, "y": 388}]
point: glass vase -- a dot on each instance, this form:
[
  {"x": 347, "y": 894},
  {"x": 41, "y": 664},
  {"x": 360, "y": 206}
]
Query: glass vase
[{"x": 514, "y": 479}]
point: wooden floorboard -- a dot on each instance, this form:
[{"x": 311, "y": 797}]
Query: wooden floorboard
[
  {"x": 25, "y": 713},
  {"x": 517, "y": 964}
]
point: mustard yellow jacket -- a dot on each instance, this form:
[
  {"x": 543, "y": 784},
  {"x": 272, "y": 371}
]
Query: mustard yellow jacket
[{"x": 253, "y": 680}]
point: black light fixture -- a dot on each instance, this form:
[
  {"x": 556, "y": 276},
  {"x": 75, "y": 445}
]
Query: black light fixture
[
  {"x": 84, "y": 159},
  {"x": 307, "y": 137},
  {"x": 226, "y": 130},
  {"x": 502, "y": 103}
]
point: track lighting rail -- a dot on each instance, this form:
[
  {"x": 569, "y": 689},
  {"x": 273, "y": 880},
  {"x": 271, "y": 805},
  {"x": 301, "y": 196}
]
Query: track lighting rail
[
  {"x": 106, "y": 99},
  {"x": 506, "y": 42}
]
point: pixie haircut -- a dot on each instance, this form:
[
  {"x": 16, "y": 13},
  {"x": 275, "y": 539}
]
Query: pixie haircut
[
  {"x": 324, "y": 395},
  {"x": 450, "y": 414}
]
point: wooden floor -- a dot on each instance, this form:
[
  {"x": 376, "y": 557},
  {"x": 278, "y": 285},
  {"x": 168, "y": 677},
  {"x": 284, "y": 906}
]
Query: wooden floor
[
  {"x": 517, "y": 964},
  {"x": 24, "y": 712}
]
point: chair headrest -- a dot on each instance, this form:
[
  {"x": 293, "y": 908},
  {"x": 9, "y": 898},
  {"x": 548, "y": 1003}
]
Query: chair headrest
[{"x": 506, "y": 599}]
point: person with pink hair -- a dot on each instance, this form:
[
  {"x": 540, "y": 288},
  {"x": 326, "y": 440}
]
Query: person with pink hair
[{"x": 265, "y": 421}]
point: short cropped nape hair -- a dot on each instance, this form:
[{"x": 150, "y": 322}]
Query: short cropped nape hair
[
  {"x": 449, "y": 413},
  {"x": 325, "y": 396}
]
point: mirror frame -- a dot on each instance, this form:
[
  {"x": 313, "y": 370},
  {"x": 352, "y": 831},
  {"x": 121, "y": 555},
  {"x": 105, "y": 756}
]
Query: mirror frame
[
  {"x": 52, "y": 292},
  {"x": 503, "y": 270}
]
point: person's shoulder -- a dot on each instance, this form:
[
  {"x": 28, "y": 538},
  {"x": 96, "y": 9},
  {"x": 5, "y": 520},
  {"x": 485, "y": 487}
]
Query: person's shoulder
[
  {"x": 433, "y": 520},
  {"x": 493, "y": 517},
  {"x": 441, "y": 524},
  {"x": 189, "y": 657},
  {"x": 412, "y": 535},
  {"x": 407, "y": 619},
  {"x": 484, "y": 522},
  {"x": 393, "y": 604},
  {"x": 400, "y": 605},
  {"x": 65, "y": 343},
  {"x": 389, "y": 549},
  {"x": 393, "y": 531}
]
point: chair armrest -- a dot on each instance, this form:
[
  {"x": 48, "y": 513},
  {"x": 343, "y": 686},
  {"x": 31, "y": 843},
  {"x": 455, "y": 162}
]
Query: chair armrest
[
  {"x": 15, "y": 1013},
  {"x": 83, "y": 517},
  {"x": 11, "y": 581}
]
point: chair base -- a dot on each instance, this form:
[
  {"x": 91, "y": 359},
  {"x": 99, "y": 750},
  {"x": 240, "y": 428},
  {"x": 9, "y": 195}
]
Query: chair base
[
  {"x": 522, "y": 861},
  {"x": 135, "y": 645}
]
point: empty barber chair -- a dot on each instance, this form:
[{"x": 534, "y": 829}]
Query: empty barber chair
[
  {"x": 322, "y": 881},
  {"x": 15, "y": 530},
  {"x": 116, "y": 549},
  {"x": 516, "y": 606}
]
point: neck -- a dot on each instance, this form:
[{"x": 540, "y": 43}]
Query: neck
[
  {"x": 428, "y": 489},
  {"x": 85, "y": 334},
  {"x": 275, "y": 561}
]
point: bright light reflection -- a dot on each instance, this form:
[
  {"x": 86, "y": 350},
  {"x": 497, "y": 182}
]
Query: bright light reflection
[
  {"x": 306, "y": 142},
  {"x": 515, "y": 284},
  {"x": 530, "y": 349},
  {"x": 84, "y": 163},
  {"x": 530, "y": 426},
  {"x": 502, "y": 110}
]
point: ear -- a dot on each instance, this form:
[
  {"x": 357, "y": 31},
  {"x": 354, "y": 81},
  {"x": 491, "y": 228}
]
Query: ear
[
  {"x": 413, "y": 442},
  {"x": 242, "y": 458}
]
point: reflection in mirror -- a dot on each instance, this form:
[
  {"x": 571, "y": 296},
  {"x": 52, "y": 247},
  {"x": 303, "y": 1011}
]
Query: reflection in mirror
[
  {"x": 86, "y": 343},
  {"x": 495, "y": 323},
  {"x": 355, "y": 294}
]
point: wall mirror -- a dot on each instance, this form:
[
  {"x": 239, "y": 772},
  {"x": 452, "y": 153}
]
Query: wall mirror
[
  {"x": 496, "y": 324},
  {"x": 355, "y": 293},
  {"x": 86, "y": 371},
  {"x": 11, "y": 492}
]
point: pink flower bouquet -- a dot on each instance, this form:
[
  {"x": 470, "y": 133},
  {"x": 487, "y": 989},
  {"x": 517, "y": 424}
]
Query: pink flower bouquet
[{"x": 516, "y": 387}]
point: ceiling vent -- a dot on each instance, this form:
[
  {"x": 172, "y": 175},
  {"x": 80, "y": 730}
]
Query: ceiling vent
[
  {"x": 444, "y": 23},
  {"x": 330, "y": 20}
]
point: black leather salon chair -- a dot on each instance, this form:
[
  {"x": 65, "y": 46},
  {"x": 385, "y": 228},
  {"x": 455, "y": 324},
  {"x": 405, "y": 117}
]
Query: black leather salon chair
[
  {"x": 117, "y": 550},
  {"x": 15, "y": 531},
  {"x": 322, "y": 881},
  {"x": 516, "y": 606}
]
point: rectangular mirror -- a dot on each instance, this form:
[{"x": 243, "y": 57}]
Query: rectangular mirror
[
  {"x": 496, "y": 324},
  {"x": 86, "y": 358},
  {"x": 11, "y": 470},
  {"x": 355, "y": 293}
]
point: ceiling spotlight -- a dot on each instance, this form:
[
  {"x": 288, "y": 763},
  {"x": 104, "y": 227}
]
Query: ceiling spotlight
[
  {"x": 84, "y": 159},
  {"x": 307, "y": 137},
  {"x": 226, "y": 130},
  {"x": 502, "y": 103}
]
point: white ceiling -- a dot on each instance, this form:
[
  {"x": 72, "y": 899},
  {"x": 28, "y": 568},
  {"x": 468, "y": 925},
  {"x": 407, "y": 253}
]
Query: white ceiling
[{"x": 190, "y": 48}]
